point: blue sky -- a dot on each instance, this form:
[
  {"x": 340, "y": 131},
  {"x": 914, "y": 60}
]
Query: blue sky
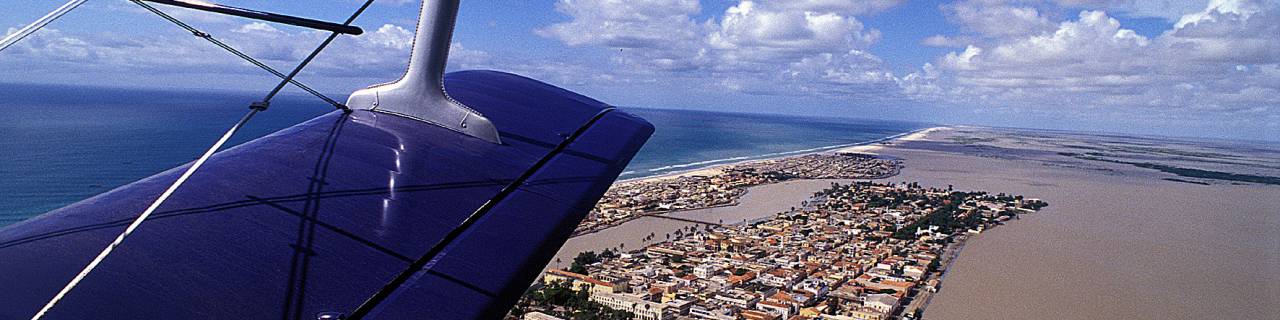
[{"x": 1184, "y": 68}]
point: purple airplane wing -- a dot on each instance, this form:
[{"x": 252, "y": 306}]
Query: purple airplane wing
[
  {"x": 318, "y": 217},
  {"x": 417, "y": 205}
]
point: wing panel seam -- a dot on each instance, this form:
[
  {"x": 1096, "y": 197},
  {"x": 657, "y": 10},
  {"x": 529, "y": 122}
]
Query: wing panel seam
[{"x": 390, "y": 287}]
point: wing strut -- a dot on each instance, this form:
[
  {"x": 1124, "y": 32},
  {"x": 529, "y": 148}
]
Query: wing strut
[{"x": 345, "y": 28}]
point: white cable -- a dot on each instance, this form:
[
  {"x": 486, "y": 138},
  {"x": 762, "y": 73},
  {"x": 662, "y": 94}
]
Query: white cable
[
  {"x": 25, "y": 31},
  {"x": 146, "y": 213}
]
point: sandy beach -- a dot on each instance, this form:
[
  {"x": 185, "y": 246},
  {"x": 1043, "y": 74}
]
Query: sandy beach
[{"x": 875, "y": 147}]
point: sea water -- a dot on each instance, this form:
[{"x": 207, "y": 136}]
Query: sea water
[{"x": 62, "y": 144}]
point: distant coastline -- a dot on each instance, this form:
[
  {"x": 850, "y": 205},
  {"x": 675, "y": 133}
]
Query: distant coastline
[{"x": 712, "y": 166}]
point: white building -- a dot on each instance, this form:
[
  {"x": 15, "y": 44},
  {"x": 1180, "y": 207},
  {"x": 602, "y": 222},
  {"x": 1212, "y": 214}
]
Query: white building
[
  {"x": 881, "y": 302},
  {"x": 817, "y": 286},
  {"x": 540, "y": 316},
  {"x": 705, "y": 271},
  {"x": 641, "y": 308}
]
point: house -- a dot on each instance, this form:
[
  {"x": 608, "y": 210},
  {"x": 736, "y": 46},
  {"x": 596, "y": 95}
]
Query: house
[
  {"x": 738, "y": 298},
  {"x": 814, "y": 285},
  {"x": 781, "y": 309},
  {"x": 704, "y": 271},
  {"x": 881, "y": 302},
  {"x": 781, "y": 277},
  {"x": 757, "y": 315}
]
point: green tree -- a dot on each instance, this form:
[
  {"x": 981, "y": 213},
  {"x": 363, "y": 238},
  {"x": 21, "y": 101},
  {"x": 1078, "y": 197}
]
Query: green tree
[{"x": 583, "y": 260}]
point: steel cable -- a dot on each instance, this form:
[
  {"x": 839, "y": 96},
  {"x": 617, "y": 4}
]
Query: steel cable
[
  {"x": 257, "y": 107},
  {"x": 43, "y": 21},
  {"x": 242, "y": 55}
]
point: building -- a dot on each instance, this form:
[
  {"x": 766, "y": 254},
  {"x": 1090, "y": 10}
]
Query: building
[
  {"x": 658, "y": 251},
  {"x": 757, "y": 315},
  {"x": 641, "y": 308},
  {"x": 865, "y": 313},
  {"x": 539, "y": 316},
  {"x": 579, "y": 281},
  {"x": 704, "y": 271},
  {"x": 738, "y": 298},
  {"x": 774, "y": 307},
  {"x": 887, "y": 304},
  {"x": 781, "y": 278},
  {"x": 816, "y": 286}
]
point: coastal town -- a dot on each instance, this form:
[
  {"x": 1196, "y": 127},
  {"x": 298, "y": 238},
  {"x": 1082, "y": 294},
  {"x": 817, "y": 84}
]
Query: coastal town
[
  {"x": 866, "y": 251},
  {"x": 724, "y": 186}
]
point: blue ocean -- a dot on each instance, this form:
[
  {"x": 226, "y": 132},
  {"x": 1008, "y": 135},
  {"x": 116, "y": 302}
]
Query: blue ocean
[{"x": 62, "y": 144}]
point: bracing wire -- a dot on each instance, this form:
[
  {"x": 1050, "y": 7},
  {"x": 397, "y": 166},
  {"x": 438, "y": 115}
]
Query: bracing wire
[
  {"x": 43, "y": 21},
  {"x": 71, "y": 5},
  {"x": 242, "y": 55},
  {"x": 257, "y": 107},
  {"x": 145, "y": 213},
  {"x": 315, "y": 52}
]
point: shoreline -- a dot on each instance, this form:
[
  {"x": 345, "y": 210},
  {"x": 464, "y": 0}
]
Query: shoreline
[
  {"x": 859, "y": 147},
  {"x": 867, "y": 147},
  {"x": 919, "y": 297},
  {"x": 1109, "y": 228}
]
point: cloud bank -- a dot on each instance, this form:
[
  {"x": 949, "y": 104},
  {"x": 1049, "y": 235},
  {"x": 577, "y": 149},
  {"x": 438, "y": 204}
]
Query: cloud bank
[
  {"x": 1219, "y": 62},
  {"x": 1215, "y": 63}
]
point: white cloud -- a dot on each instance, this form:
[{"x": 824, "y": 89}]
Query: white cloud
[
  {"x": 997, "y": 20},
  {"x": 1241, "y": 31},
  {"x": 389, "y": 36},
  {"x": 781, "y": 30},
  {"x": 625, "y": 23},
  {"x": 815, "y": 47},
  {"x": 947, "y": 41},
  {"x": 844, "y": 7},
  {"x": 657, "y": 34},
  {"x": 258, "y": 28},
  {"x": 961, "y": 61},
  {"x": 378, "y": 54},
  {"x": 1214, "y": 63},
  {"x": 1167, "y": 9},
  {"x": 1092, "y": 35}
]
